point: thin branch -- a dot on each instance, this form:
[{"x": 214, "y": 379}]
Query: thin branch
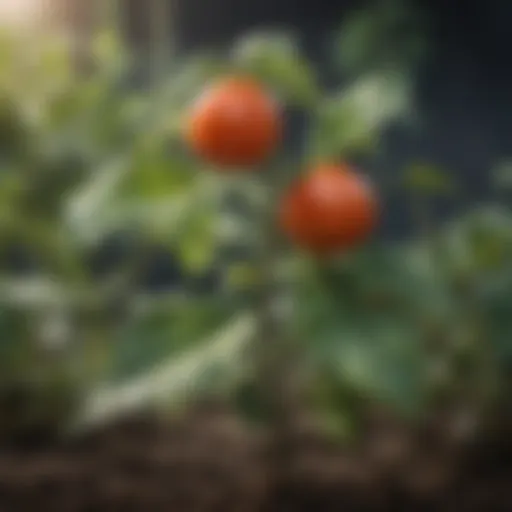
[{"x": 273, "y": 351}]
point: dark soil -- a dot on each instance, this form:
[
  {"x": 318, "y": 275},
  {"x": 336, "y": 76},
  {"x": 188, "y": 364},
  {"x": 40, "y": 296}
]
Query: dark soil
[{"x": 209, "y": 461}]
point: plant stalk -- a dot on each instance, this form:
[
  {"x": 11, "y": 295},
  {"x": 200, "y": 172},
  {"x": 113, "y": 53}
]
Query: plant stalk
[{"x": 274, "y": 354}]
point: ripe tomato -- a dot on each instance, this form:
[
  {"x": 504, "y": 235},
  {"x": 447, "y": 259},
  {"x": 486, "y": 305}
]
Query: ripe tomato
[
  {"x": 329, "y": 209},
  {"x": 234, "y": 123}
]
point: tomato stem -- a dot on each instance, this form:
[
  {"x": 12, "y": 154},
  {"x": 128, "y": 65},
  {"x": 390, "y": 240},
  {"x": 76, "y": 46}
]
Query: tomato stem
[{"x": 275, "y": 365}]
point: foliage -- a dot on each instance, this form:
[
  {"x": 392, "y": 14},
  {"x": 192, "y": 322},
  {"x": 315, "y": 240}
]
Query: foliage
[
  {"x": 388, "y": 35},
  {"x": 86, "y": 157}
]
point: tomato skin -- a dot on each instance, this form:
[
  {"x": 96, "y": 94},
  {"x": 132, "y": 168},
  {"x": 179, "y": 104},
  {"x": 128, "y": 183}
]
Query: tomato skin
[
  {"x": 234, "y": 123},
  {"x": 328, "y": 210}
]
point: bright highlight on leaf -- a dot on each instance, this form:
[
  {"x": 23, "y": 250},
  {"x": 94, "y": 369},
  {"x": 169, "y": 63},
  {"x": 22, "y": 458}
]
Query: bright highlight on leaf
[{"x": 352, "y": 121}]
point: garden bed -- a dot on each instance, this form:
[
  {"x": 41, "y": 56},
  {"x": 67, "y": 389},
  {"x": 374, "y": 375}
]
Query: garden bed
[{"x": 210, "y": 461}]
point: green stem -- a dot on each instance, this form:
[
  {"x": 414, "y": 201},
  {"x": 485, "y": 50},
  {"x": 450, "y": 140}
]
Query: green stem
[
  {"x": 485, "y": 377},
  {"x": 273, "y": 351}
]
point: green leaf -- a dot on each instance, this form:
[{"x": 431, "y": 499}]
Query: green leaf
[
  {"x": 336, "y": 403},
  {"x": 357, "y": 43},
  {"x": 428, "y": 180},
  {"x": 175, "y": 379},
  {"x": 385, "y": 35},
  {"x": 15, "y": 346},
  {"x": 378, "y": 281},
  {"x": 196, "y": 244},
  {"x": 14, "y": 132},
  {"x": 158, "y": 199},
  {"x": 382, "y": 357},
  {"x": 502, "y": 176},
  {"x": 242, "y": 276},
  {"x": 55, "y": 66},
  {"x": 189, "y": 78},
  {"x": 86, "y": 212},
  {"x": 275, "y": 58},
  {"x": 352, "y": 121},
  {"x": 107, "y": 49},
  {"x": 480, "y": 241},
  {"x": 7, "y": 51},
  {"x": 496, "y": 301},
  {"x": 154, "y": 175},
  {"x": 155, "y": 335},
  {"x": 184, "y": 85}
]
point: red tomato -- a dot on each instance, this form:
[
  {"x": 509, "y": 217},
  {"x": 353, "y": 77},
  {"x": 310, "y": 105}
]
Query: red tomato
[
  {"x": 234, "y": 123},
  {"x": 330, "y": 209}
]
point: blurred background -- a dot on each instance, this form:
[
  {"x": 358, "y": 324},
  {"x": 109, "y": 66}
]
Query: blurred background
[{"x": 128, "y": 268}]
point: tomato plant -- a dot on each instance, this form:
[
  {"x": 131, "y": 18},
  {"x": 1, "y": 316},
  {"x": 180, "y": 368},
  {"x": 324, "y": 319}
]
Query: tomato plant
[
  {"x": 131, "y": 164},
  {"x": 128, "y": 174}
]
